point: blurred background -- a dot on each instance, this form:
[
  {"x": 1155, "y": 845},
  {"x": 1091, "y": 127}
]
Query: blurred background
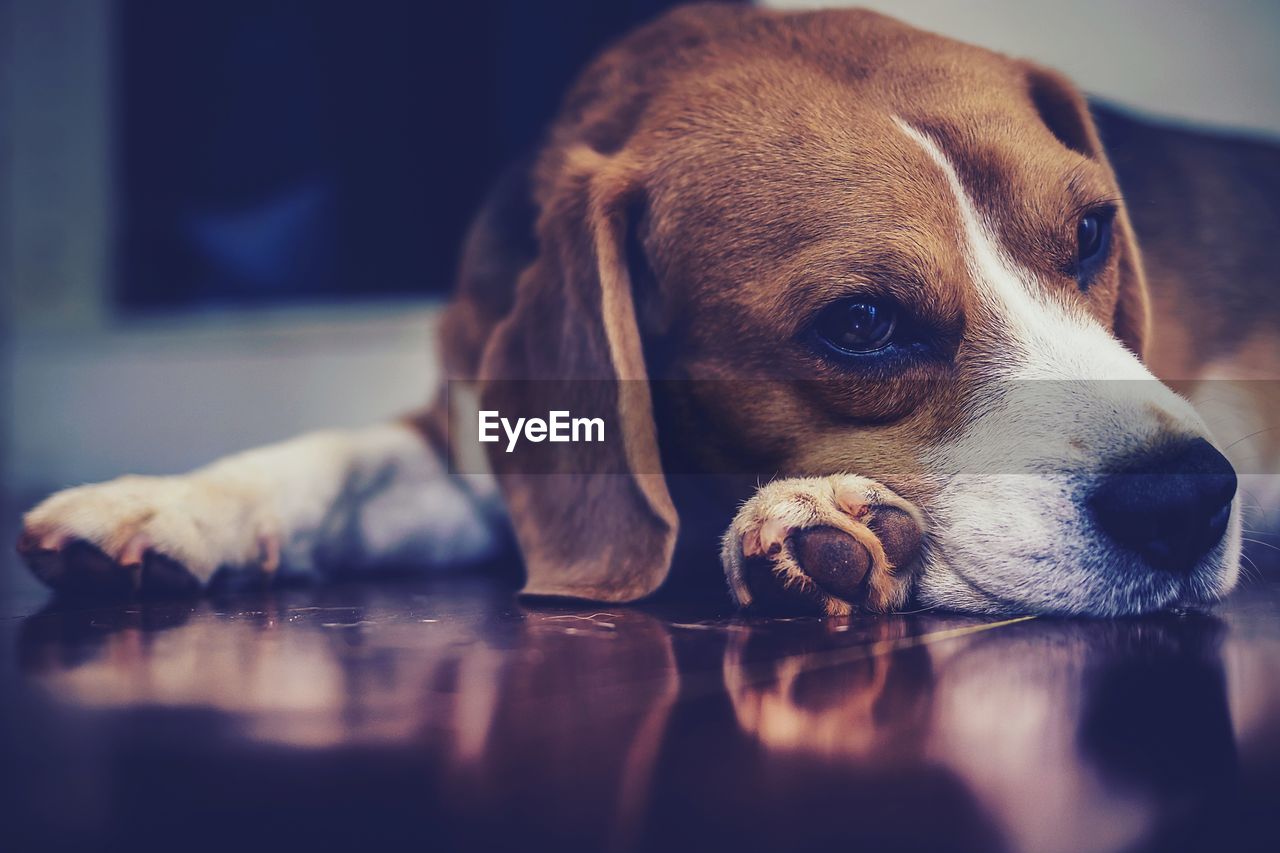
[{"x": 226, "y": 221}]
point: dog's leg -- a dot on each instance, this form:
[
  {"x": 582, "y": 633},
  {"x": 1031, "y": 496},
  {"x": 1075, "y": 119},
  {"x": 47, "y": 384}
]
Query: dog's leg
[
  {"x": 379, "y": 496},
  {"x": 826, "y": 543}
]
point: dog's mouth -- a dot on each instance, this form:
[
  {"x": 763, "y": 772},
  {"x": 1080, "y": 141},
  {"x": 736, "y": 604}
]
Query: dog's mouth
[{"x": 1082, "y": 572}]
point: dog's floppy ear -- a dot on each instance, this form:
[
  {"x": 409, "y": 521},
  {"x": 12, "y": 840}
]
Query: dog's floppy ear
[
  {"x": 1066, "y": 113},
  {"x": 1133, "y": 304},
  {"x": 593, "y": 520}
]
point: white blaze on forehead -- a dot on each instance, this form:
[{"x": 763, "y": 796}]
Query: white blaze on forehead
[{"x": 1047, "y": 337}]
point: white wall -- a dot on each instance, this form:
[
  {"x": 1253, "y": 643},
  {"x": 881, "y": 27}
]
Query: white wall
[
  {"x": 1207, "y": 60},
  {"x": 163, "y": 397}
]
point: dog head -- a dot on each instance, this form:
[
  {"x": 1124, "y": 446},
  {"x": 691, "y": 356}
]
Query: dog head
[{"x": 848, "y": 245}]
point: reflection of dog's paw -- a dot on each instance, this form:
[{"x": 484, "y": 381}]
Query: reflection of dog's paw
[
  {"x": 829, "y": 543},
  {"x": 149, "y": 533}
]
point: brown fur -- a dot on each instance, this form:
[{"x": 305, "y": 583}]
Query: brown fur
[{"x": 711, "y": 182}]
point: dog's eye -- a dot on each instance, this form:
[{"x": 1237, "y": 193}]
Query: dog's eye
[
  {"x": 1093, "y": 239},
  {"x": 1089, "y": 236},
  {"x": 857, "y": 326}
]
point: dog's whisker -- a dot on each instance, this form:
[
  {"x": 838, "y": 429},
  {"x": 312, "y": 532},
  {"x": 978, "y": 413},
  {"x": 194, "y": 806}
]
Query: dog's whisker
[
  {"x": 1250, "y": 435},
  {"x": 1249, "y": 570},
  {"x": 1275, "y": 548}
]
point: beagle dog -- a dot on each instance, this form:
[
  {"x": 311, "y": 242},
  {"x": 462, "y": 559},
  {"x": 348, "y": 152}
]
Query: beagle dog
[{"x": 889, "y": 276}]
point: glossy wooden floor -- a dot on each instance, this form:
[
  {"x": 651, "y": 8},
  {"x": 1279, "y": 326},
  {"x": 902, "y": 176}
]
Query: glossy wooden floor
[{"x": 451, "y": 716}]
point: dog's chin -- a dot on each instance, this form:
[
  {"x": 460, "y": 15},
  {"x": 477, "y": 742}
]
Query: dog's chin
[{"x": 1059, "y": 564}]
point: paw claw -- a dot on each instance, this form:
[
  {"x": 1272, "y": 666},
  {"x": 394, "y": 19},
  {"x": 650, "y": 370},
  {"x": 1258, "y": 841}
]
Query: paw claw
[
  {"x": 853, "y": 501},
  {"x": 772, "y": 535},
  {"x": 31, "y": 542},
  {"x": 134, "y": 552}
]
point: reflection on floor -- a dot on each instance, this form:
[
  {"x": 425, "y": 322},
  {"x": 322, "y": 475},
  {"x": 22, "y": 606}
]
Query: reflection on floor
[{"x": 451, "y": 715}]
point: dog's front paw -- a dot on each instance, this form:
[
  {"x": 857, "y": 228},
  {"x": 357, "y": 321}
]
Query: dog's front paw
[
  {"x": 830, "y": 543},
  {"x": 145, "y": 533}
]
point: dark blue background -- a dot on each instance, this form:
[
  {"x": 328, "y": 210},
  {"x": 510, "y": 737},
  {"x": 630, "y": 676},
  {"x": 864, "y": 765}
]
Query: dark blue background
[{"x": 270, "y": 151}]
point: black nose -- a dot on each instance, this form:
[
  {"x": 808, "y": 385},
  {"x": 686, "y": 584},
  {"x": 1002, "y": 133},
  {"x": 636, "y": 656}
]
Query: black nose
[{"x": 1171, "y": 506}]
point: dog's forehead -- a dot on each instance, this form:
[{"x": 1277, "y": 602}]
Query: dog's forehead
[{"x": 801, "y": 164}]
